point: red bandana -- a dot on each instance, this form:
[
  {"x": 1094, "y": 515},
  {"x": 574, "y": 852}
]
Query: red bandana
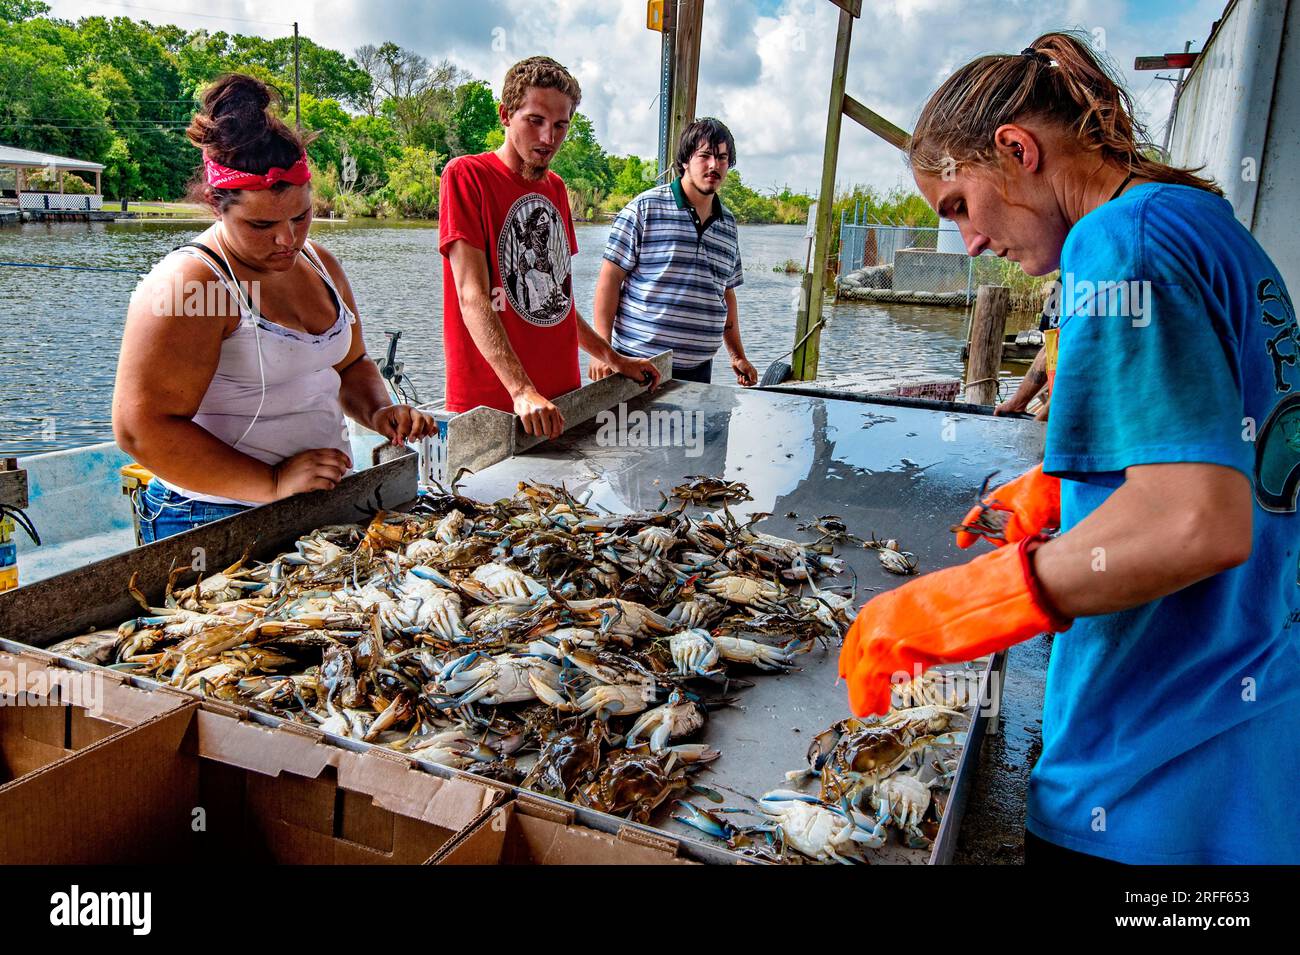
[{"x": 223, "y": 177}]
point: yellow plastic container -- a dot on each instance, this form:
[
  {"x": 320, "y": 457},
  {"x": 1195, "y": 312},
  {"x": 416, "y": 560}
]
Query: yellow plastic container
[
  {"x": 8, "y": 555},
  {"x": 134, "y": 476}
]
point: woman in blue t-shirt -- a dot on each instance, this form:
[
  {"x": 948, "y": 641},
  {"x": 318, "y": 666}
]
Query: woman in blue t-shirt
[{"x": 1171, "y": 469}]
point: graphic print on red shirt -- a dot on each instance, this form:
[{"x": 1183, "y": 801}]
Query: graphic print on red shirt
[{"x": 526, "y": 231}]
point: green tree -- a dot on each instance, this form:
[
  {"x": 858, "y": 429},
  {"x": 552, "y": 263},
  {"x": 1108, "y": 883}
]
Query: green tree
[
  {"x": 121, "y": 178},
  {"x": 415, "y": 94},
  {"x": 412, "y": 188},
  {"x": 581, "y": 158},
  {"x": 15, "y": 11},
  {"x": 370, "y": 141},
  {"x": 328, "y": 74},
  {"x": 746, "y": 204},
  {"x": 200, "y": 58},
  {"x": 473, "y": 116},
  {"x": 153, "y": 123},
  {"x": 43, "y": 104},
  {"x": 584, "y": 167},
  {"x": 635, "y": 175}
]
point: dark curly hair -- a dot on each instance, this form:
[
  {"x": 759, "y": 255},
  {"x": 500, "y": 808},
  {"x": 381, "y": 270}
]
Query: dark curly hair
[
  {"x": 704, "y": 130},
  {"x": 239, "y": 126}
]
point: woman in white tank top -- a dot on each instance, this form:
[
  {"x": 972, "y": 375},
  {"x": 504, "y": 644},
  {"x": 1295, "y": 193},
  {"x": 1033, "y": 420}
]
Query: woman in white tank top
[{"x": 242, "y": 350}]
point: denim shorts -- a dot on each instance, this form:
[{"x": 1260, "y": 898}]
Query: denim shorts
[{"x": 164, "y": 513}]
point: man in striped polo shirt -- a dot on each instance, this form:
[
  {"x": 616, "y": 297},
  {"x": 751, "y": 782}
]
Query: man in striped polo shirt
[{"x": 672, "y": 264}]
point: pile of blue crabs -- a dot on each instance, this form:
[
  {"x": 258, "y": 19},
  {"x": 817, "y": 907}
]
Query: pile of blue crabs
[
  {"x": 533, "y": 639},
  {"x": 878, "y": 776}
]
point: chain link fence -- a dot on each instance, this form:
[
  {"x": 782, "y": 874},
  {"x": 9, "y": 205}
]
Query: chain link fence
[{"x": 921, "y": 263}]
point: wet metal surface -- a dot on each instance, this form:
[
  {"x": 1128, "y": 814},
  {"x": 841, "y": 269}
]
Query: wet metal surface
[
  {"x": 890, "y": 471},
  {"x": 995, "y": 814}
]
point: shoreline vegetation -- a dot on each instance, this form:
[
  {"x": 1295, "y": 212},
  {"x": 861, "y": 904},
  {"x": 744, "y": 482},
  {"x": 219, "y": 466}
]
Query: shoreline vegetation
[{"x": 121, "y": 91}]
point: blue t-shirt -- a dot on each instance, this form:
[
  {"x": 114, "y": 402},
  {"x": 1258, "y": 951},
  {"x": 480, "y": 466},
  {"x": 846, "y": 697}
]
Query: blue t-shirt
[{"x": 1168, "y": 730}]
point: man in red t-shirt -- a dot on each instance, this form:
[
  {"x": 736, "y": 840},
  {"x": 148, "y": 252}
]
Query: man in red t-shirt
[{"x": 510, "y": 325}]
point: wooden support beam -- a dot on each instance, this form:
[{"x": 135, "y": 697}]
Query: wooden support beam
[
  {"x": 992, "y": 304},
  {"x": 851, "y": 7},
  {"x": 807, "y": 333},
  {"x": 875, "y": 123},
  {"x": 688, "y": 25},
  {"x": 13, "y": 484}
]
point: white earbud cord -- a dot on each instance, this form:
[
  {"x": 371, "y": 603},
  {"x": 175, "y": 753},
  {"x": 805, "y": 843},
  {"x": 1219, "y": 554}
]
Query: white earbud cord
[
  {"x": 137, "y": 498},
  {"x": 257, "y": 338}
]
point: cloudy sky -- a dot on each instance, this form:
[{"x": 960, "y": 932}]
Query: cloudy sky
[{"x": 765, "y": 65}]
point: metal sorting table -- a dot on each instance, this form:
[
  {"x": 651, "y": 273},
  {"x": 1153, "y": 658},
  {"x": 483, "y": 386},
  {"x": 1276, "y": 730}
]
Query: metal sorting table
[{"x": 889, "y": 469}]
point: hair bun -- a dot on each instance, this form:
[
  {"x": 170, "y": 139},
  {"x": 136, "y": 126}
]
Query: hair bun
[{"x": 238, "y": 125}]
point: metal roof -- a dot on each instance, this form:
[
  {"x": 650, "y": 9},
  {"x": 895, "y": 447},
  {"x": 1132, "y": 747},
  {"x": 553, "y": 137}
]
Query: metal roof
[{"x": 13, "y": 156}]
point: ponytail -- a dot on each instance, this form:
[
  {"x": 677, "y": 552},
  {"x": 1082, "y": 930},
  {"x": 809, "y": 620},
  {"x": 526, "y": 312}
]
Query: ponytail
[{"x": 1057, "y": 79}]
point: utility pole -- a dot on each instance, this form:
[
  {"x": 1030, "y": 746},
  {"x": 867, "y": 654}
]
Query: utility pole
[
  {"x": 1183, "y": 61},
  {"x": 1173, "y": 106},
  {"x": 297, "y": 85}
]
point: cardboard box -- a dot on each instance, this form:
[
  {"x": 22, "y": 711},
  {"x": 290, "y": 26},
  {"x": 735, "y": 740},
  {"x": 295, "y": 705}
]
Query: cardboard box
[
  {"x": 48, "y": 711},
  {"x": 531, "y": 831},
  {"x": 205, "y": 785}
]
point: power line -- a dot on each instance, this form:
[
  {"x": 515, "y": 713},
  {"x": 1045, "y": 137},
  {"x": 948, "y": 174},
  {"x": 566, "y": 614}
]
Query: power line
[
  {"x": 125, "y": 120},
  {"x": 188, "y": 13},
  {"x": 60, "y": 121},
  {"x": 62, "y": 129},
  {"x": 71, "y": 268}
]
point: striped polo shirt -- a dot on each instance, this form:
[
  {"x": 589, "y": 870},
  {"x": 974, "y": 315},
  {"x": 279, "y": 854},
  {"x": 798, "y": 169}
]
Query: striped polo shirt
[{"x": 678, "y": 271}]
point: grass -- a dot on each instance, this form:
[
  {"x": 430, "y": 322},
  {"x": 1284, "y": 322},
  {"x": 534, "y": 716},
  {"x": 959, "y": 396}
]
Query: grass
[
  {"x": 789, "y": 267},
  {"x": 1028, "y": 292},
  {"x": 164, "y": 210}
]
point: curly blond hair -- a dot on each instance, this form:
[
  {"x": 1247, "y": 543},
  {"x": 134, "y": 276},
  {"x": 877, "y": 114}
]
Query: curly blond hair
[{"x": 541, "y": 71}]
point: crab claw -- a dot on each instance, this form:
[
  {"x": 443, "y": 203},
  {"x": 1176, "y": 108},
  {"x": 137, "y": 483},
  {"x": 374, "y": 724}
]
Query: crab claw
[
  {"x": 707, "y": 822},
  {"x": 694, "y": 752}
]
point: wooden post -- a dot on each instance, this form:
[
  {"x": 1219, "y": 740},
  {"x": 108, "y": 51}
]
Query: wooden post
[
  {"x": 992, "y": 303},
  {"x": 687, "y": 27},
  {"x": 98, "y": 190},
  {"x": 804, "y": 360}
]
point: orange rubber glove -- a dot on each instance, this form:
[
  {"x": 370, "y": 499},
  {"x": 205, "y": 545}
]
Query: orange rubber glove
[
  {"x": 1018, "y": 509},
  {"x": 954, "y": 614}
]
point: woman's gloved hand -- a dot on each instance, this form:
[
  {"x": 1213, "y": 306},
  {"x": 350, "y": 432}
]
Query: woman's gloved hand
[
  {"x": 954, "y": 614},
  {"x": 1023, "y": 507}
]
